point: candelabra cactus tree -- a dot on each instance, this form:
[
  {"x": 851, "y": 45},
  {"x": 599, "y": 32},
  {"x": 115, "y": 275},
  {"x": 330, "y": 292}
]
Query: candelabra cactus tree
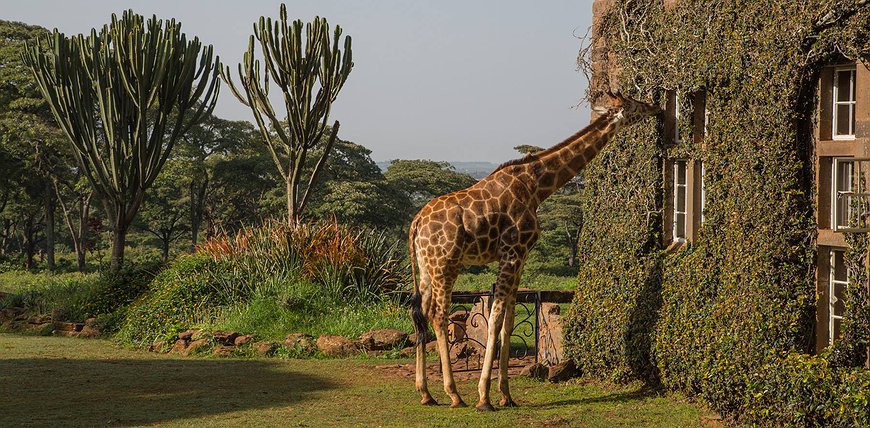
[
  {"x": 123, "y": 96},
  {"x": 309, "y": 69}
]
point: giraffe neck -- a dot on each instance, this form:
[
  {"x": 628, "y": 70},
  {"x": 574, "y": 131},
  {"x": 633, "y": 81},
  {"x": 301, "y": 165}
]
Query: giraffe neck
[{"x": 558, "y": 165}]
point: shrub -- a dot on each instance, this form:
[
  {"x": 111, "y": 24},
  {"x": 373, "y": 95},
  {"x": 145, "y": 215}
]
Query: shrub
[{"x": 272, "y": 280}]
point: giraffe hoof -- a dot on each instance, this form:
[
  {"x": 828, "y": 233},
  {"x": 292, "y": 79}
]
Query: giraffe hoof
[
  {"x": 505, "y": 402},
  {"x": 484, "y": 407},
  {"x": 458, "y": 404},
  {"x": 428, "y": 401}
]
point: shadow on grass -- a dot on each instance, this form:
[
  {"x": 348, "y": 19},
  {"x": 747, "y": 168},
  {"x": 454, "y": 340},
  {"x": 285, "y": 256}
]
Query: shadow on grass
[
  {"x": 616, "y": 397},
  {"x": 65, "y": 392}
]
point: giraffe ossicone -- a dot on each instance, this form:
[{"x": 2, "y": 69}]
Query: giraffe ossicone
[{"x": 496, "y": 220}]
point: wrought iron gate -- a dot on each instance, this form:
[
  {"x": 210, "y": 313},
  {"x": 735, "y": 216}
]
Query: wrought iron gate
[{"x": 469, "y": 322}]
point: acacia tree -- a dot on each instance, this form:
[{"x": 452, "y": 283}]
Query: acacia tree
[
  {"x": 309, "y": 70},
  {"x": 123, "y": 96}
]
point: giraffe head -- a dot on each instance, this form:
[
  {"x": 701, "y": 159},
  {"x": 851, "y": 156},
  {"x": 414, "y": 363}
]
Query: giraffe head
[{"x": 626, "y": 110}]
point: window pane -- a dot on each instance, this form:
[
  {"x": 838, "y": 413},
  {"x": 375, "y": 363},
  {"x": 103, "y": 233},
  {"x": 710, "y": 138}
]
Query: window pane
[
  {"x": 844, "y": 119},
  {"x": 840, "y": 273},
  {"x": 844, "y": 85},
  {"x": 680, "y": 203},
  {"x": 837, "y": 328},
  {"x": 681, "y": 172},
  {"x": 840, "y": 302},
  {"x": 680, "y": 225}
]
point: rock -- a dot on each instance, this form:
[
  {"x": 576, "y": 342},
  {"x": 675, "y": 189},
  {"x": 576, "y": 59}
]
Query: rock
[
  {"x": 265, "y": 348},
  {"x": 187, "y": 335},
  {"x": 91, "y": 322},
  {"x": 224, "y": 351},
  {"x": 337, "y": 346},
  {"x": 89, "y": 332},
  {"x": 157, "y": 346},
  {"x": 68, "y": 326},
  {"x": 562, "y": 371},
  {"x": 243, "y": 340},
  {"x": 225, "y": 337},
  {"x": 408, "y": 352},
  {"x": 178, "y": 347},
  {"x": 428, "y": 336},
  {"x": 457, "y": 327},
  {"x": 199, "y": 334},
  {"x": 383, "y": 339},
  {"x": 301, "y": 341},
  {"x": 194, "y": 346},
  {"x": 432, "y": 347},
  {"x": 41, "y": 329},
  {"x": 535, "y": 371}
]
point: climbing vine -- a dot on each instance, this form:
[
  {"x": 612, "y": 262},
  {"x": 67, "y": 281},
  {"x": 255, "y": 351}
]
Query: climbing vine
[{"x": 730, "y": 317}]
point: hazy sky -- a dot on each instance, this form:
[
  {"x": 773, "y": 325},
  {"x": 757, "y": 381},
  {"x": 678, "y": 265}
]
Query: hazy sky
[{"x": 444, "y": 80}]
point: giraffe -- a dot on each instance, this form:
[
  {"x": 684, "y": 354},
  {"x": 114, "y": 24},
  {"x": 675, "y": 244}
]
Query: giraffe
[{"x": 495, "y": 220}]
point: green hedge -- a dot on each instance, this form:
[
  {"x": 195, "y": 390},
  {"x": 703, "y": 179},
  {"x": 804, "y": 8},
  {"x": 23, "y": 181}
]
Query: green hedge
[{"x": 730, "y": 317}]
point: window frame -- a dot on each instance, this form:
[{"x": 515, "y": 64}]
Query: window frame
[
  {"x": 675, "y": 188},
  {"x": 850, "y": 103},
  {"x": 832, "y": 296}
]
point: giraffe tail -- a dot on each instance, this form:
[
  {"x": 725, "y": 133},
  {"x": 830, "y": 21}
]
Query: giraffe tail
[{"x": 416, "y": 302}]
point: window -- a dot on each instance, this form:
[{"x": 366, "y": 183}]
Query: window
[
  {"x": 839, "y": 280},
  {"x": 703, "y": 189},
  {"x": 844, "y": 104},
  {"x": 850, "y": 202},
  {"x": 680, "y": 200},
  {"x": 842, "y": 188}
]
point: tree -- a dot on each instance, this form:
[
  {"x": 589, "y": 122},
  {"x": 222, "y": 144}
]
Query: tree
[
  {"x": 113, "y": 94},
  {"x": 214, "y": 138},
  {"x": 422, "y": 180},
  {"x": 296, "y": 67},
  {"x": 165, "y": 207},
  {"x": 30, "y": 142},
  {"x": 353, "y": 189}
]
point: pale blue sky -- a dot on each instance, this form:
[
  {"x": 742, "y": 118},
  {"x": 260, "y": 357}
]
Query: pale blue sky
[{"x": 445, "y": 80}]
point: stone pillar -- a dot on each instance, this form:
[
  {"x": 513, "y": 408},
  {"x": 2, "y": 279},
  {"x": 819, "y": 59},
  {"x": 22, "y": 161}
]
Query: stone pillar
[
  {"x": 549, "y": 334},
  {"x": 477, "y": 324}
]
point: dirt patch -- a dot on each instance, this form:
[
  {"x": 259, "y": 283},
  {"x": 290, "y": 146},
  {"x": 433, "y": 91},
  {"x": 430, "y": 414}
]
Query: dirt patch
[{"x": 462, "y": 370}]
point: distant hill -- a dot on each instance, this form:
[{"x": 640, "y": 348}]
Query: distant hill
[{"x": 477, "y": 170}]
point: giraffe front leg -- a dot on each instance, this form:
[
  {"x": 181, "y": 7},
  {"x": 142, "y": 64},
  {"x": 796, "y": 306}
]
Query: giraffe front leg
[
  {"x": 444, "y": 353},
  {"x": 504, "y": 357},
  {"x": 496, "y": 318}
]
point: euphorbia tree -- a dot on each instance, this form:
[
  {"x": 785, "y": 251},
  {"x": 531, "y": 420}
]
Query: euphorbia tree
[
  {"x": 309, "y": 70},
  {"x": 123, "y": 96}
]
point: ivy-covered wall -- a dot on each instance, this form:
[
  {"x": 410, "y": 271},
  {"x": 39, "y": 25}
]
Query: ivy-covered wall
[{"x": 729, "y": 317}]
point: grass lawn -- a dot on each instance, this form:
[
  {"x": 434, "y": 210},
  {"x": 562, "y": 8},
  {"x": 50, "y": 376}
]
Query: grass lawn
[{"x": 49, "y": 381}]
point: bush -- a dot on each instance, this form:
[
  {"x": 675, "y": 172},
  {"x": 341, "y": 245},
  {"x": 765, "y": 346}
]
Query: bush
[{"x": 274, "y": 280}]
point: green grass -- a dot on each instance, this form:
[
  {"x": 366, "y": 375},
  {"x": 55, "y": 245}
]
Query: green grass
[
  {"x": 532, "y": 280},
  {"x": 270, "y": 319},
  {"x": 48, "y": 381}
]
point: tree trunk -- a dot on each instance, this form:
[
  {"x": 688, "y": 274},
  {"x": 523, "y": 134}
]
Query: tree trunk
[
  {"x": 29, "y": 244},
  {"x": 119, "y": 239},
  {"x": 49, "y": 225},
  {"x": 82, "y": 239},
  {"x": 165, "y": 248},
  {"x": 292, "y": 215}
]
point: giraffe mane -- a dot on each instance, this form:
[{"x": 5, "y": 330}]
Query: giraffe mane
[{"x": 537, "y": 155}]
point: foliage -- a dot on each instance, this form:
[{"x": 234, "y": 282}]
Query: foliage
[
  {"x": 301, "y": 272},
  {"x": 422, "y": 180},
  {"x": 123, "y": 96},
  {"x": 728, "y": 316},
  {"x": 76, "y": 296}
]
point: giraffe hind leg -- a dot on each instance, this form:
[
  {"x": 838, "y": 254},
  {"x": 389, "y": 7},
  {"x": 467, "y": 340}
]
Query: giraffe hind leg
[
  {"x": 444, "y": 283},
  {"x": 420, "y": 307}
]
